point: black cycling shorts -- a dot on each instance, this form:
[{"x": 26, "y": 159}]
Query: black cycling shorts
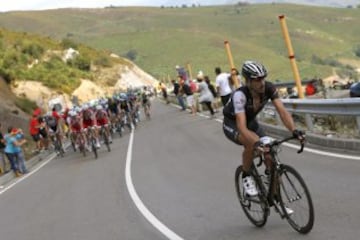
[{"x": 232, "y": 133}]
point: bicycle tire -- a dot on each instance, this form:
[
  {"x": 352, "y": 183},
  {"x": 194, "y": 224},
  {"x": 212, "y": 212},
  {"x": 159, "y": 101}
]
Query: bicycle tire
[
  {"x": 58, "y": 149},
  {"x": 295, "y": 195},
  {"x": 255, "y": 208},
  {"x": 106, "y": 141},
  {"x": 93, "y": 147},
  {"x": 119, "y": 128},
  {"x": 73, "y": 145}
]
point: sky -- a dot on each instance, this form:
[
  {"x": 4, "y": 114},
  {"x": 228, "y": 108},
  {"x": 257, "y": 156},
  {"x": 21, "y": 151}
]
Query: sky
[{"x": 11, "y": 5}]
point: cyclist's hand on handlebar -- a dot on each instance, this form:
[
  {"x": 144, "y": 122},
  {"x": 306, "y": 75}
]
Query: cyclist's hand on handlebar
[
  {"x": 300, "y": 135},
  {"x": 259, "y": 147}
]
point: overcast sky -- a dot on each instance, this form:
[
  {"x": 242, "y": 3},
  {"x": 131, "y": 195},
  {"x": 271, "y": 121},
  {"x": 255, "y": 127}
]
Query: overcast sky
[{"x": 10, "y": 5}]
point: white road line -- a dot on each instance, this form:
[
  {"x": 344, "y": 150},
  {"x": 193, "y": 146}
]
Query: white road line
[
  {"x": 136, "y": 199},
  {"x": 22, "y": 178}
]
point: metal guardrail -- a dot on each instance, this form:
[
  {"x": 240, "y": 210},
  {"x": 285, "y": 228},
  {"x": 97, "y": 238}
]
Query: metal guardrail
[{"x": 309, "y": 107}]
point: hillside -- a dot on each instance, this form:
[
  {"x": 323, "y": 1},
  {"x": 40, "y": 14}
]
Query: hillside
[
  {"x": 35, "y": 69},
  {"x": 156, "y": 39}
]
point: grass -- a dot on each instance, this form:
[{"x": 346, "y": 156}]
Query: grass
[{"x": 165, "y": 37}]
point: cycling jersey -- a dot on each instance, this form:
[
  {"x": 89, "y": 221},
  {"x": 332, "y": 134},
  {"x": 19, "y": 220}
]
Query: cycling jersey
[
  {"x": 88, "y": 118},
  {"x": 242, "y": 101},
  {"x": 101, "y": 117},
  {"x": 113, "y": 107},
  {"x": 75, "y": 123}
]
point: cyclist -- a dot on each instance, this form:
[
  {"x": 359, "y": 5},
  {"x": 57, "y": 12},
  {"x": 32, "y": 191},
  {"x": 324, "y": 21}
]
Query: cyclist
[
  {"x": 53, "y": 123},
  {"x": 126, "y": 111},
  {"x": 145, "y": 100},
  {"x": 240, "y": 124},
  {"x": 102, "y": 119},
  {"x": 75, "y": 126},
  {"x": 89, "y": 124}
]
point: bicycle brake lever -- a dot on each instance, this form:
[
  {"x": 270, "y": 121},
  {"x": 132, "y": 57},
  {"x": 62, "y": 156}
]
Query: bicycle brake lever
[{"x": 302, "y": 148}]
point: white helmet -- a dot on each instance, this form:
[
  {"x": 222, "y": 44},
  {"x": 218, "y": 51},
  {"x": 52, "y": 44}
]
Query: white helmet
[{"x": 99, "y": 107}]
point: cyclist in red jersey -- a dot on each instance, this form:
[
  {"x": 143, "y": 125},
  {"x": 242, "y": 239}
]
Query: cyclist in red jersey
[
  {"x": 102, "y": 119},
  {"x": 89, "y": 122}
]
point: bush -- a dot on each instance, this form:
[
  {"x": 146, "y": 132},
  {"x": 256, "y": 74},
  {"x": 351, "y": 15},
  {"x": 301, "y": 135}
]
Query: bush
[
  {"x": 68, "y": 43},
  {"x": 80, "y": 62},
  {"x": 33, "y": 49},
  {"x": 357, "y": 51},
  {"x": 103, "y": 62}
]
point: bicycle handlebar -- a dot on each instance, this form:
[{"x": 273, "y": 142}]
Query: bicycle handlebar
[{"x": 287, "y": 139}]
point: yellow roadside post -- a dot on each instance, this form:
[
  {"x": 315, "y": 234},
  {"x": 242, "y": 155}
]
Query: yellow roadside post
[
  {"x": 231, "y": 61},
  {"x": 189, "y": 70},
  {"x": 291, "y": 55}
]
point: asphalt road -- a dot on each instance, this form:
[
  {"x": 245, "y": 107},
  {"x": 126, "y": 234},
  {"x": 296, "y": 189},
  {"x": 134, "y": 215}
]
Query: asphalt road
[{"x": 182, "y": 171}]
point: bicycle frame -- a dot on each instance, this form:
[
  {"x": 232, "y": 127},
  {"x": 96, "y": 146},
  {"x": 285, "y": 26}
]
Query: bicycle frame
[{"x": 270, "y": 195}]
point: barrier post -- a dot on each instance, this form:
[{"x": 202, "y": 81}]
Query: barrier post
[
  {"x": 231, "y": 61},
  {"x": 291, "y": 55},
  {"x": 189, "y": 70}
]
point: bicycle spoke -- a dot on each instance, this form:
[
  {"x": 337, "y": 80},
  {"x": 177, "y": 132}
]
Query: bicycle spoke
[{"x": 295, "y": 195}]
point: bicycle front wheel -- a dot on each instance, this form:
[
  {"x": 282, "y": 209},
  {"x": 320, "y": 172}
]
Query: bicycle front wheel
[
  {"x": 254, "y": 208},
  {"x": 295, "y": 195}
]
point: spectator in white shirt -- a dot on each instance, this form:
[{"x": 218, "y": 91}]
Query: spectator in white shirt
[{"x": 222, "y": 85}]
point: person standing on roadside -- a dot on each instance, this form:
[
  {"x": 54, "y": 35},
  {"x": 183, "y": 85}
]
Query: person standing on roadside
[
  {"x": 164, "y": 92},
  {"x": 213, "y": 92},
  {"x": 11, "y": 150},
  {"x": 35, "y": 132},
  {"x": 189, "y": 97},
  {"x": 19, "y": 153},
  {"x": 234, "y": 79},
  {"x": 2, "y": 152},
  {"x": 222, "y": 85},
  {"x": 178, "y": 94},
  {"x": 206, "y": 96}
]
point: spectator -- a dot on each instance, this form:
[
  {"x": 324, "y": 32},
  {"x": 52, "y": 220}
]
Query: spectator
[
  {"x": 19, "y": 153},
  {"x": 2, "y": 152},
  {"x": 310, "y": 88},
  {"x": 181, "y": 72},
  {"x": 222, "y": 85},
  {"x": 189, "y": 97},
  {"x": 213, "y": 92},
  {"x": 206, "y": 96},
  {"x": 10, "y": 150},
  {"x": 43, "y": 131},
  {"x": 164, "y": 92},
  {"x": 234, "y": 79},
  {"x": 178, "y": 93},
  {"x": 34, "y": 131}
]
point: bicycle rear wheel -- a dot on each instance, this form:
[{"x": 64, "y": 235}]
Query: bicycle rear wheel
[
  {"x": 294, "y": 194},
  {"x": 93, "y": 147},
  {"x": 106, "y": 141},
  {"x": 255, "y": 208}
]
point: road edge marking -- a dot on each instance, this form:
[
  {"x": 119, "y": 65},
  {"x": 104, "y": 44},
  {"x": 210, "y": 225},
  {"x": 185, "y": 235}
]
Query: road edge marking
[
  {"x": 137, "y": 201},
  {"x": 22, "y": 178}
]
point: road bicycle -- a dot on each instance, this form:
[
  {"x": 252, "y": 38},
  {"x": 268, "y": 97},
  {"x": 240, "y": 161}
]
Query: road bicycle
[
  {"x": 78, "y": 142},
  {"x": 147, "y": 110},
  {"x": 105, "y": 136},
  {"x": 58, "y": 146},
  {"x": 91, "y": 139},
  {"x": 283, "y": 188}
]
